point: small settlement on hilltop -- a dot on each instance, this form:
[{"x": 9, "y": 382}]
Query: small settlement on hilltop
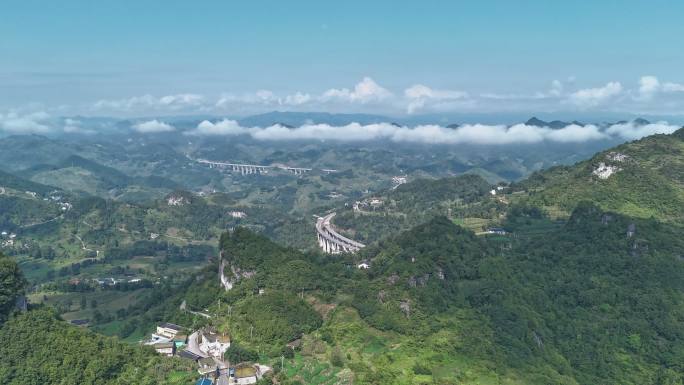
[{"x": 207, "y": 347}]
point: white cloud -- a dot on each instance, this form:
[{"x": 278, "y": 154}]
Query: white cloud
[
  {"x": 265, "y": 96},
  {"x": 471, "y": 134},
  {"x": 181, "y": 100},
  {"x": 419, "y": 91},
  {"x": 153, "y": 126},
  {"x": 262, "y": 98},
  {"x": 591, "y": 97},
  {"x": 367, "y": 90},
  {"x": 575, "y": 133},
  {"x": 556, "y": 88},
  {"x": 73, "y": 126},
  {"x": 419, "y": 95},
  {"x": 648, "y": 86},
  {"x": 481, "y": 134},
  {"x": 631, "y": 131},
  {"x": 148, "y": 102},
  {"x": 370, "y": 97},
  {"x": 673, "y": 87},
  {"x": 350, "y": 132},
  {"x": 33, "y": 123},
  {"x": 297, "y": 99},
  {"x": 224, "y": 127}
]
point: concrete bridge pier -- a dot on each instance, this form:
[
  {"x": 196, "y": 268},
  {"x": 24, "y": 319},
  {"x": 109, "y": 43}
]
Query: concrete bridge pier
[{"x": 332, "y": 242}]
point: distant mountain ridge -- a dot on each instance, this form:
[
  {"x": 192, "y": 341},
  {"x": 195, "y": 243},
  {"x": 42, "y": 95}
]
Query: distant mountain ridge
[
  {"x": 555, "y": 124},
  {"x": 12, "y": 181}
]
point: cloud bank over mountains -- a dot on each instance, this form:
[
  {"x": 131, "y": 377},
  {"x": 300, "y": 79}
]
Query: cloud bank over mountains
[
  {"x": 153, "y": 126},
  {"x": 15, "y": 123},
  {"x": 368, "y": 95},
  {"x": 480, "y": 134}
]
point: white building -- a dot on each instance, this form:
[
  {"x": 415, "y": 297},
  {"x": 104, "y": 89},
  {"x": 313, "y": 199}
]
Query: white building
[
  {"x": 212, "y": 343},
  {"x": 398, "y": 180},
  {"x": 165, "y": 348},
  {"x": 248, "y": 374},
  {"x": 168, "y": 330}
]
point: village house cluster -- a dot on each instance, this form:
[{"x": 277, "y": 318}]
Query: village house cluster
[
  {"x": 7, "y": 239},
  {"x": 207, "y": 347}
]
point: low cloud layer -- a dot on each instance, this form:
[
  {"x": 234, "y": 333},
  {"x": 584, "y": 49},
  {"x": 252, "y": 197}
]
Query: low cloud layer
[
  {"x": 434, "y": 134},
  {"x": 34, "y": 123},
  {"x": 481, "y": 134},
  {"x": 153, "y": 126},
  {"x": 630, "y": 131}
]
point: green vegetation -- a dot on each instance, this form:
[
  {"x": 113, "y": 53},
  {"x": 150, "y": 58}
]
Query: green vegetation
[
  {"x": 583, "y": 302},
  {"x": 11, "y": 286},
  {"x": 273, "y": 318},
  {"x": 586, "y": 286},
  {"x": 414, "y": 203},
  {"x": 39, "y": 348},
  {"x": 648, "y": 181}
]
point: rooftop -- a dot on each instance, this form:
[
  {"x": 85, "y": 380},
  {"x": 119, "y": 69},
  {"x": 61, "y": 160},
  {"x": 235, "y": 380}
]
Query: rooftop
[
  {"x": 189, "y": 355},
  {"x": 171, "y": 326},
  {"x": 245, "y": 371},
  {"x": 222, "y": 338},
  {"x": 164, "y": 345},
  {"x": 207, "y": 361}
]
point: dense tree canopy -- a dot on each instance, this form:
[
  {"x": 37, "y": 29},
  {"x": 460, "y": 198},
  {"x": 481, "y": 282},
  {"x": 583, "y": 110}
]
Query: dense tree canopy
[
  {"x": 37, "y": 348},
  {"x": 11, "y": 286}
]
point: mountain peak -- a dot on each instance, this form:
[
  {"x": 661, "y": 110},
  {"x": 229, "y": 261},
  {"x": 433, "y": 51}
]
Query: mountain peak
[
  {"x": 555, "y": 124},
  {"x": 534, "y": 121}
]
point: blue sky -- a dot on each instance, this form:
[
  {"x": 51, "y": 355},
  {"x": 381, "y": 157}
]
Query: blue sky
[{"x": 401, "y": 58}]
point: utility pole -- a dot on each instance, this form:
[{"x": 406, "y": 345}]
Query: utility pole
[
  {"x": 251, "y": 329},
  {"x": 282, "y": 362}
]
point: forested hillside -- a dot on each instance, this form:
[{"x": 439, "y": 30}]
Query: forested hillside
[
  {"x": 595, "y": 298},
  {"x": 12, "y": 285},
  {"x": 410, "y": 204},
  {"x": 598, "y": 300},
  {"x": 586, "y": 291},
  {"x": 39, "y": 348},
  {"x": 644, "y": 178}
]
